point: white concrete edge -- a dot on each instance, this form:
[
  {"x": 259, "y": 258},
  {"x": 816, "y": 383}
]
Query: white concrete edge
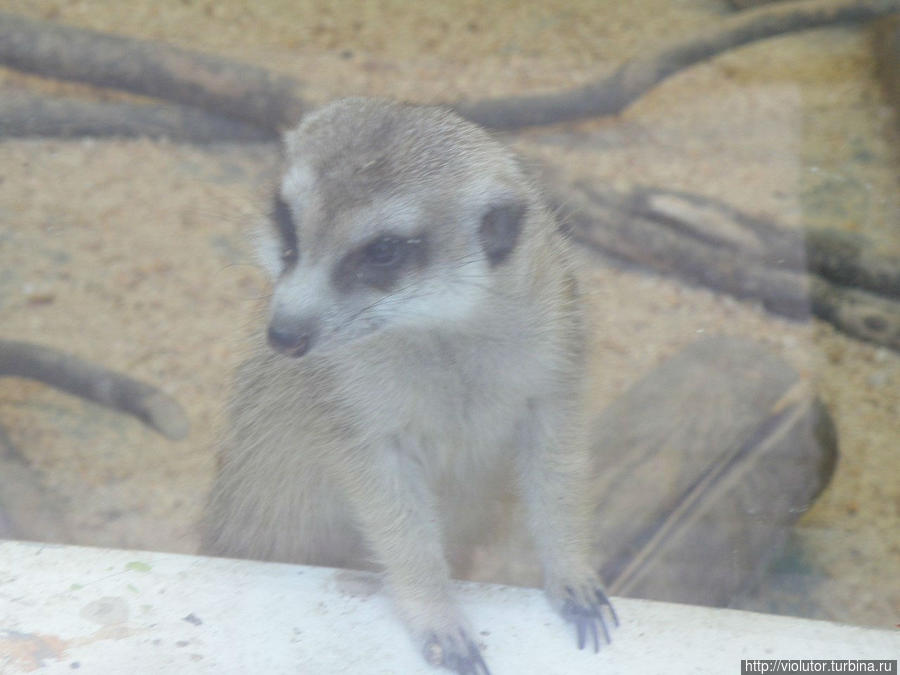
[{"x": 66, "y": 609}]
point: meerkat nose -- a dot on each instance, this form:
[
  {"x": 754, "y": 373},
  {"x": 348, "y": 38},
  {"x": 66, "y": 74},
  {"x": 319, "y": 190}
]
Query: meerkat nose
[{"x": 291, "y": 338}]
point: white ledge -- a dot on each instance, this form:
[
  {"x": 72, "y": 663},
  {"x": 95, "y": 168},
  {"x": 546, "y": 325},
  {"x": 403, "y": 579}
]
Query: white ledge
[{"x": 66, "y": 609}]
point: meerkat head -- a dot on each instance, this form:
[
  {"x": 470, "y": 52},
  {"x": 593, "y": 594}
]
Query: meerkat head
[{"x": 388, "y": 216}]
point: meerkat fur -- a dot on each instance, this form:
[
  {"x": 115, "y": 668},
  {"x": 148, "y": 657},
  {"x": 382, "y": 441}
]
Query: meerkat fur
[{"x": 425, "y": 355}]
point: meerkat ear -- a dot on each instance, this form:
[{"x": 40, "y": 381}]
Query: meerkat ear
[{"x": 499, "y": 230}]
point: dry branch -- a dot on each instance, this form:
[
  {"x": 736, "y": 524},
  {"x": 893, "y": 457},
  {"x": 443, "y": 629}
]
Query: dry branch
[
  {"x": 844, "y": 258},
  {"x": 612, "y": 94},
  {"x": 23, "y": 114},
  {"x": 273, "y": 102},
  {"x": 218, "y": 85},
  {"x": 863, "y": 315},
  {"x": 78, "y": 377},
  {"x": 725, "y": 250},
  {"x": 850, "y": 259}
]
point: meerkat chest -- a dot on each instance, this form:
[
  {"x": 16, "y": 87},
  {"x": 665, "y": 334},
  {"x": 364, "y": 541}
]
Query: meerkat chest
[{"x": 451, "y": 394}]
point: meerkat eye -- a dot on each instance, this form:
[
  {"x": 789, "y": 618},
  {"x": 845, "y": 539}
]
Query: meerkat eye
[
  {"x": 287, "y": 231},
  {"x": 381, "y": 262},
  {"x": 289, "y": 256},
  {"x": 386, "y": 251}
]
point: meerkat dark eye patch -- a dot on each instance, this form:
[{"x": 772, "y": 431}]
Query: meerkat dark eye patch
[
  {"x": 499, "y": 230},
  {"x": 381, "y": 262},
  {"x": 284, "y": 223}
]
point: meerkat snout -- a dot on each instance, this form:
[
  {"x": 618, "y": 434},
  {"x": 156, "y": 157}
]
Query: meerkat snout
[
  {"x": 431, "y": 296},
  {"x": 291, "y": 338}
]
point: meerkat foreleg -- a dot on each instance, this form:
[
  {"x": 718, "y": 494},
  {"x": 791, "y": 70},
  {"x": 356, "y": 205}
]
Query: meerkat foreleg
[
  {"x": 397, "y": 512},
  {"x": 554, "y": 467}
]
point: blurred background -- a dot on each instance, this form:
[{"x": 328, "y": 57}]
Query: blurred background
[{"x": 133, "y": 252}]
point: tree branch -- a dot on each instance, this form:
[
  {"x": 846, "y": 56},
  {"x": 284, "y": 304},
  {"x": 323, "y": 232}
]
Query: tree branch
[
  {"x": 725, "y": 250},
  {"x": 612, "y": 94},
  {"x": 86, "y": 380},
  {"x": 23, "y": 114},
  {"x": 218, "y": 85},
  {"x": 274, "y": 102}
]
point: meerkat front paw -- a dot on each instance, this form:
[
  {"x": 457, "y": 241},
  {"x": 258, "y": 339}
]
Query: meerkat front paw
[
  {"x": 585, "y": 604},
  {"x": 455, "y": 650}
]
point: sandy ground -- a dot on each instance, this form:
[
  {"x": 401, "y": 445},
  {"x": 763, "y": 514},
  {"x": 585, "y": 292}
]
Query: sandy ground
[{"x": 133, "y": 254}]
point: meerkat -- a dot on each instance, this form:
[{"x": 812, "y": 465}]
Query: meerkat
[{"x": 425, "y": 354}]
